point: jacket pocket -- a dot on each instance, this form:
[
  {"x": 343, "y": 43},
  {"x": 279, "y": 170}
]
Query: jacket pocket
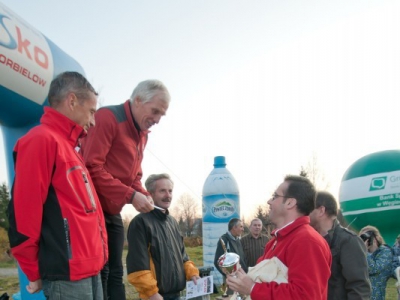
[{"x": 80, "y": 184}]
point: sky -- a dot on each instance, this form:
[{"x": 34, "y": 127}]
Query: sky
[{"x": 267, "y": 84}]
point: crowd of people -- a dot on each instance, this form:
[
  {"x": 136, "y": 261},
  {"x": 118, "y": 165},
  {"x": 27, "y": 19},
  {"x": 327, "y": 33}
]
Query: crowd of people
[{"x": 76, "y": 170}]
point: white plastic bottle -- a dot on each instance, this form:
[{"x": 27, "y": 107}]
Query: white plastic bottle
[{"x": 220, "y": 204}]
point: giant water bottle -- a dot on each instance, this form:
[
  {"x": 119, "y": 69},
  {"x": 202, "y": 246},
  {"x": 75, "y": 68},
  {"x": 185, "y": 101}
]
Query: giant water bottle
[{"x": 220, "y": 204}]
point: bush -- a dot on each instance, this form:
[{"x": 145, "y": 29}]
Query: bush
[{"x": 4, "y": 246}]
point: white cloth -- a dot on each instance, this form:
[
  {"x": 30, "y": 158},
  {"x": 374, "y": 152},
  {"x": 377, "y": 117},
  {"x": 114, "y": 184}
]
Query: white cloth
[{"x": 267, "y": 270}]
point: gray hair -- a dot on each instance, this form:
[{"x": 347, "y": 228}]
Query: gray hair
[
  {"x": 152, "y": 179},
  {"x": 233, "y": 222},
  {"x": 255, "y": 219},
  {"x": 147, "y": 89},
  {"x": 69, "y": 82}
]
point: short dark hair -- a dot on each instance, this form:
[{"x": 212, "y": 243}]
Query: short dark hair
[
  {"x": 303, "y": 191},
  {"x": 327, "y": 200},
  {"x": 152, "y": 179},
  {"x": 69, "y": 82},
  {"x": 233, "y": 222}
]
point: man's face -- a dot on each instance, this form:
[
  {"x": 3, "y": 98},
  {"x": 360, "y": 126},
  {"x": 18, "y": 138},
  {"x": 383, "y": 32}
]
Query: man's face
[
  {"x": 149, "y": 113},
  {"x": 238, "y": 229},
  {"x": 256, "y": 227},
  {"x": 162, "y": 195},
  {"x": 277, "y": 211},
  {"x": 84, "y": 110}
]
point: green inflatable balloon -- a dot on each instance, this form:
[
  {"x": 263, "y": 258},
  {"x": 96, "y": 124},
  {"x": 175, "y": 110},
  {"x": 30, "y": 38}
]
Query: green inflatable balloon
[{"x": 370, "y": 193}]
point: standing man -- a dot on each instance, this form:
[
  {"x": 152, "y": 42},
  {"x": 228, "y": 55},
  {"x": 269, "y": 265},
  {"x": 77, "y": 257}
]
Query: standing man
[
  {"x": 157, "y": 263},
  {"x": 113, "y": 152},
  {"x": 295, "y": 243},
  {"x": 57, "y": 231},
  {"x": 349, "y": 271},
  {"x": 254, "y": 243},
  {"x": 232, "y": 243}
]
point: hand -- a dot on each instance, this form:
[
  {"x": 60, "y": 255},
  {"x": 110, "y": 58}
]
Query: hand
[
  {"x": 194, "y": 279},
  {"x": 240, "y": 282},
  {"x": 34, "y": 286},
  {"x": 142, "y": 203},
  {"x": 156, "y": 296}
]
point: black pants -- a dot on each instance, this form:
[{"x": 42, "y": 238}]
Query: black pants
[{"x": 113, "y": 272}]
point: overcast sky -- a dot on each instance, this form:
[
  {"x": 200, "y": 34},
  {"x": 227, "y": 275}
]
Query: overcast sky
[{"x": 267, "y": 84}]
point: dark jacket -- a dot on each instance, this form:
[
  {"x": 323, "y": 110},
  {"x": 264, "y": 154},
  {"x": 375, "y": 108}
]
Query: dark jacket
[
  {"x": 232, "y": 245},
  {"x": 349, "y": 271},
  {"x": 157, "y": 259},
  {"x": 57, "y": 229}
]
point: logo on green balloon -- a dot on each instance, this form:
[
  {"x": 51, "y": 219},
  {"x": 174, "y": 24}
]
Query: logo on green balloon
[{"x": 377, "y": 183}]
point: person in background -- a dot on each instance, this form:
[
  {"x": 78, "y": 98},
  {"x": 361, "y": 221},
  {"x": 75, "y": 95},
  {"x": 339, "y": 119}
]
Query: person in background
[
  {"x": 113, "y": 152},
  {"x": 349, "y": 270},
  {"x": 379, "y": 258},
  {"x": 232, "y": 243},
  {"x": 295, "y": 243},
  {"x": 57, "y": 231},
  {"x": 396, "y": 258},
  {"x": 254, "y": 243},
  {"x": 157, "y": 263}
]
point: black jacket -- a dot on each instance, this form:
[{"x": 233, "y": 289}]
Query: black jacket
[
  {"x": 154, "y": 237},
  {"x": 349, "y": 271},
  {"x": 232, "y": 245}
]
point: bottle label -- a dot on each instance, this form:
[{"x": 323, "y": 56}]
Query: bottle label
[{"x": 220, "y": 208}]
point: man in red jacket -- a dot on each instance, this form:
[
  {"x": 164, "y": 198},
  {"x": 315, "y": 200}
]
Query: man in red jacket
[
  {"x": 113, "y": 152},
  {"x": 57, "y": 231},
  {"x": 296, "y": 244}
]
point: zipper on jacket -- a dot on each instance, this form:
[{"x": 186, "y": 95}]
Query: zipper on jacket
[
  {"x": 102, "y": 239},
  {"x": 67, "y": 238},
  {"x": 89, "y": 191}
]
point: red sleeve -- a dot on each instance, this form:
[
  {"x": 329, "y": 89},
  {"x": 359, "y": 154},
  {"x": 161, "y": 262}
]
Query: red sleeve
[{"x": 33, "y": 171}]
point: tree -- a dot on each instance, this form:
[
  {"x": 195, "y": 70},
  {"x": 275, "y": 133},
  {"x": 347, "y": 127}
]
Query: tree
[
  {"x": 314, "y": 172},
  {"x": 185, "y": 212},
  {"x": 4, "y": 200}
]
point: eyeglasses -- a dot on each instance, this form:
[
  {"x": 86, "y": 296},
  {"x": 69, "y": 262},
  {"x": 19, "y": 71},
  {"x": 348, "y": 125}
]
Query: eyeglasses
[{"x": 275, "y": 196}]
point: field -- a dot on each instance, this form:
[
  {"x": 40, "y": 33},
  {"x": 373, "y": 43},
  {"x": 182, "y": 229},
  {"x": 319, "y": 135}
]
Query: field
[{"x": 11, "y": 284}]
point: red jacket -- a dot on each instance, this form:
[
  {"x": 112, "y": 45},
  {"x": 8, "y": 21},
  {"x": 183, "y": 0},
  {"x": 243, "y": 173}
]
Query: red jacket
[
  {"x": 308, "y": 258},
  {"x": 57, "y": 229},
  {"x": 113, "y": 152}
]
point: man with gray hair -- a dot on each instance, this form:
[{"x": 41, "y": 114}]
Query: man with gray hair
[
  {"x": 254, "y": 243},
  {"x": 157, "y": 263},
  {"x": 113, "y": 153},
  {"x": 57, "y": 230},
  {"x": 232, "y": 244}
]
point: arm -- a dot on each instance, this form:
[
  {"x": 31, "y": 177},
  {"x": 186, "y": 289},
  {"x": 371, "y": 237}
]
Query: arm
[
  {"x": 354, "y": 268},
  {"x": 191, "y": 271},
  {"x": 34, "y": 163},
  {"x": 380, "y": 262},
  {"x": 139, "y": 264}
]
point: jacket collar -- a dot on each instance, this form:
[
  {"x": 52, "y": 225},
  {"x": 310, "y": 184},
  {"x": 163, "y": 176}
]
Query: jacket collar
[
  {"x": 291, "y": 226},
  {"x": 63, "y": 125}
]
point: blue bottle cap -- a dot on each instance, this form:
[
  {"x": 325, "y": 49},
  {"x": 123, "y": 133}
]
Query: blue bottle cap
[{"x": 219, "y": 162}]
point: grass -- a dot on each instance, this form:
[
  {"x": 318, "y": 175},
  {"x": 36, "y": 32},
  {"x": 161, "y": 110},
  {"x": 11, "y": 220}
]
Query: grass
[{"x": 11, "y": 284}]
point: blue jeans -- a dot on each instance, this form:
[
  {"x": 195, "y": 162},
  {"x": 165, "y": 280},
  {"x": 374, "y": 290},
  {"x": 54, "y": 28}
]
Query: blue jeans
[
  {"x": 84, "y": 289},
  {"x": 113, "y": 272}
]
